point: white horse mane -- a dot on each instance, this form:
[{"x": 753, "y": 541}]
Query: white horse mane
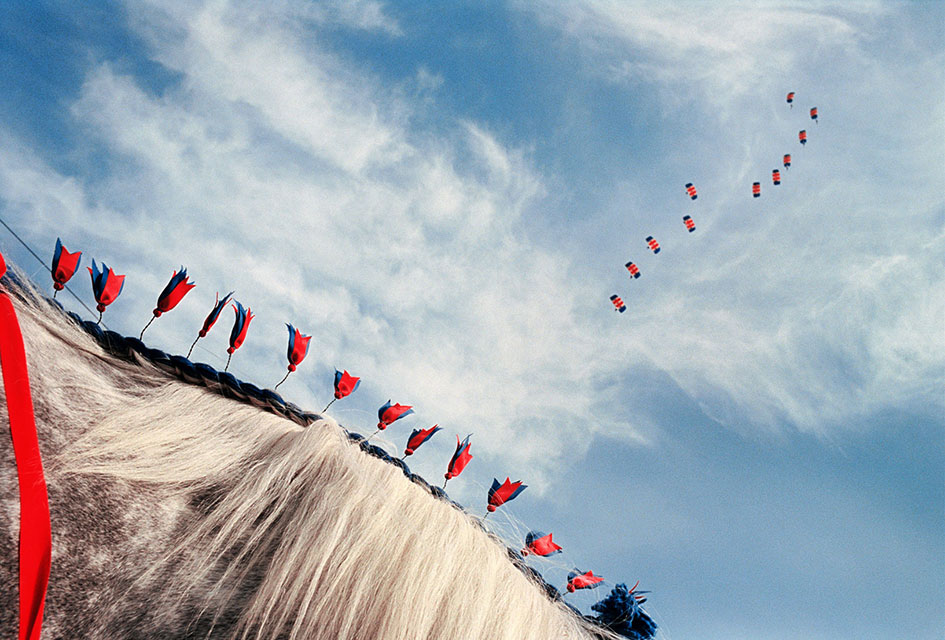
[{"x": 212, "y": 518}]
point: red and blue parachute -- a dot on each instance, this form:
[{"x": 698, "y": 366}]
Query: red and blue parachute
[
  {"x": 691, "y": 191},
  {"x": 790, "y": 99},
  {"x": 787, "y": 160},
  {"x": 690, "y": 225},
  {"x": 776, "y": 176},
  {"x": 618, "y": 303},
  {"x": 633, "y": 269},
  {"x": 652, "y": 244},
  {"x": 756, "y": 189}
]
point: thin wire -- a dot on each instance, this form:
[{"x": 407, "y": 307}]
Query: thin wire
[
  {"x": 43, "y": 262},
  {"x": 281, "y": 381}
]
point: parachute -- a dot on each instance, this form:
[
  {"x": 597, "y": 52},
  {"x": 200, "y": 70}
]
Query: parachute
[{"x": 690, "y": 224}]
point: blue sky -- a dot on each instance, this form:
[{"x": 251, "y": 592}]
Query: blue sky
[{"x": 445, "y": 198}]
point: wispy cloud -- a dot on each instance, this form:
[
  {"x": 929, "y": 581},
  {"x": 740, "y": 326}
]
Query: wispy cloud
[
  {"x": 788, "y": 310},
  {"x": 275, "y": 169},
  {"x": 717, "y": 51},
  {"x": 361, "y": 171}
]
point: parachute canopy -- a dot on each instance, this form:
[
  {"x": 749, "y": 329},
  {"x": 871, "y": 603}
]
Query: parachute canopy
[
  {"x": 802, "y": 136},
  {"x": 813, "y": 113},
  {"x": 689, "y": 223},
  {"x": 790, "y": 98},
  {"x": 632, "y": 268},
  {"x": 691, "y": 190},
  {"x": 756, "y": 189},
  {"x": 652, "y": 244},
  {"x": 776, "y": 176},
  {"x": 787, "y": 160},
  {"x": 618, "y": 303}
]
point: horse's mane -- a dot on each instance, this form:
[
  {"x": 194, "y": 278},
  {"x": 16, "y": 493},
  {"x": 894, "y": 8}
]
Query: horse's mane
[{"x": 180, "y": 512}]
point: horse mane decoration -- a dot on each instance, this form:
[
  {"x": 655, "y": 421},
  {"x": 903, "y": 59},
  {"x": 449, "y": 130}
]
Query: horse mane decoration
[
  {"x": 178, "y": 512},
  {"x": 173, "y": 293}
]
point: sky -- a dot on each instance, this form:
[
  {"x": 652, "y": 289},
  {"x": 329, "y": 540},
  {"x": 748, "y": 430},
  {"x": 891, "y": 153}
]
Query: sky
[{"x": 444, "y": 197}]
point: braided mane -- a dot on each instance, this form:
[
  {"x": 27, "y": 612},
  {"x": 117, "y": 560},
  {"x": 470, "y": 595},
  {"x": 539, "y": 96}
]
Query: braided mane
[{"x": 196, "y": 516}]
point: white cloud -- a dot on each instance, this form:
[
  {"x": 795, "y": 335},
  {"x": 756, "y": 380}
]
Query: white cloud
[
  {"x": 717, "y": 50},
  {"x": 279, "y": 170},
  {"x": 824, "y": 301},
  {"x": 275, "y": 169},
  {"x": 36, "y": 194},
  {"x": 362, "y": 14}
]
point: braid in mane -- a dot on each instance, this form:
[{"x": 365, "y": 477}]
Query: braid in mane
[{"x": 187, "y": 503}]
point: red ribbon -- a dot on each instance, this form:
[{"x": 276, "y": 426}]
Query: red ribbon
[{"x": 35, "y": 534}]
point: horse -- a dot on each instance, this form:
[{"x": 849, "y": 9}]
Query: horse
[{"x": 182, "y": 510}]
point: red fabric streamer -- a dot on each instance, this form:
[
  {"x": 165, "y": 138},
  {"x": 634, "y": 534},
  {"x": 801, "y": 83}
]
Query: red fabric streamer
[{"x": 35, "y": 534}]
